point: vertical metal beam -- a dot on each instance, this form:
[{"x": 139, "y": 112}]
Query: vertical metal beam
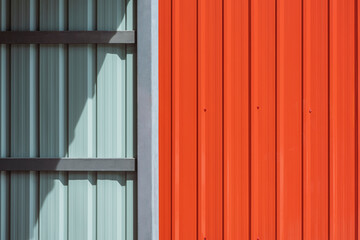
[{"x": 147, "y": 122}]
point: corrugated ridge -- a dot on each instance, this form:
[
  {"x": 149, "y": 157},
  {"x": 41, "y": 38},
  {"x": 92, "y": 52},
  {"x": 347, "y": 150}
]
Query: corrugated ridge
[
  {"x": 315, "y": 183},
  {"x": 66, "y": 205}
]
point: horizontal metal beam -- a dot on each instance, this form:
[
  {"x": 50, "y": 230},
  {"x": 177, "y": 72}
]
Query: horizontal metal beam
[
  {"x": 67, "y": 164},
  {"x": 67, "y": 37}
]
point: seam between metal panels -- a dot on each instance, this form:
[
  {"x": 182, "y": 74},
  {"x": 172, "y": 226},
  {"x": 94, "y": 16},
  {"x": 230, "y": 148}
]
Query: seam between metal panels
[
  {"x": 222, "y": 118},
  {"x": 9, "y": 97},
  {"x": 38, "y": 119},
  {"x": 328, "y": 71},
  {"x": 171, "y": 119},
  {"x": 197, "y": 118},
  {"x": 67, "y": 209},
  {"x": 66, "y": 64},
  {"x": 96, "y": 98},
  {"x": 126, "y": 99},
  {"x": 302, "y": 119},
  {"x": 38, "y": 215},
  {"x": 356, "y": 119},
  {"x": 96, "y": 113},
  {"x": 276, "y": 122},
  {"x": 9, "y": 121},
  {"x": 9, "y": 199},
  {"x": 38, "y": 93},
  {"x": 249, "y": 111}
]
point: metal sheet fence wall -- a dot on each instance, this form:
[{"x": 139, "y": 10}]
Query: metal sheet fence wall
[
  {"x": 259, "y": 119},
  {"x": 67, "y": 101}
]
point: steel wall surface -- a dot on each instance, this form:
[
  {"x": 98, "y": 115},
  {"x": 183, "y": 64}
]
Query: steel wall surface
[
  {"x": 259, "y": 119},
  {"x": 67, "y": 101}
]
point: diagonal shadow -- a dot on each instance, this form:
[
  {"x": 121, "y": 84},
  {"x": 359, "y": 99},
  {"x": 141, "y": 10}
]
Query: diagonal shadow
[{"x": 99, "y": 62}]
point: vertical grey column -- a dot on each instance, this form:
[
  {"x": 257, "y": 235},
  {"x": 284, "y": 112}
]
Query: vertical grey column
[
  {"x": 4, "y": 121},
  {"x": 131, "y": 122},
  {"x": 111, "y": 122},
  {"x": 82, "y": 122},
  {"x": 24, "y": 122},
  {"x": 147, "y": 125},
  {"x": 53, "y": 122}
]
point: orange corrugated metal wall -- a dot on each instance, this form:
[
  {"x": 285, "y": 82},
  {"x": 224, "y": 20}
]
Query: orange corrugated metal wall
[{"x": 259, "y": 119}]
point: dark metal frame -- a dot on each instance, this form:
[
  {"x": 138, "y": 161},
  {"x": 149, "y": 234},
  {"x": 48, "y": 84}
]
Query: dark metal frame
[
  {"x": 67, "y": 164},
  {"x": 67, "y": 37}
]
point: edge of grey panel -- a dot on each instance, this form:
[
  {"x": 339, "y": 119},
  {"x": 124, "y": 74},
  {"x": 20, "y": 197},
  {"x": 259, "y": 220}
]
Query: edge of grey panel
[
  {"x": 147, "y": 120},
  {"x": 67, "y": 164},
  {"x": 67, "y": 37}
]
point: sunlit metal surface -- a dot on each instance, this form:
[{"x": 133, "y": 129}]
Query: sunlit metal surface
[{"x": 71, "y": 101}]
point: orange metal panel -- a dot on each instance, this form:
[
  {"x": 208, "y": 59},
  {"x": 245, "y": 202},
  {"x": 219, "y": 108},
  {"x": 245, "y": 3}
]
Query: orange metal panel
[
  {"x": 236, "y": 119},
  {"x": 184, "y": 120},
  {"x": 165, "y": 119},
  {"x": 289, "y": 119},
  {"x": 263, "y": 82},
  {"x": 210, "y": 120},
  {"x": 259, "y": 119},
  {"x": 342, "y": 120},
  {"x": 315, "y": 117}
]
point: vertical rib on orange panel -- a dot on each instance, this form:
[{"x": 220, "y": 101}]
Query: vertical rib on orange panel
[
  {"x": 210, "y": 120},
  {"x": 357, "y": 67},
  {"x": 289, "y": 119},
  {"x": 165, "y": 119},
  {"x": 342, "y": 124},
  {"x": 315, "y": 117},
  {"x": 236, "y": 119},
  {"x": 263, "y": 82},
  {"x": 184, "y": 120}
]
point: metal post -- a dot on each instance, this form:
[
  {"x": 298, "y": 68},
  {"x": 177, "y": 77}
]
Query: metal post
[{"x": 147, "y": 122}]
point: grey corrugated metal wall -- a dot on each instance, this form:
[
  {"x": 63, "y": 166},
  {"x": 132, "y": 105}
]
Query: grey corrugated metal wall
[{"x": 67, "y": 101}]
